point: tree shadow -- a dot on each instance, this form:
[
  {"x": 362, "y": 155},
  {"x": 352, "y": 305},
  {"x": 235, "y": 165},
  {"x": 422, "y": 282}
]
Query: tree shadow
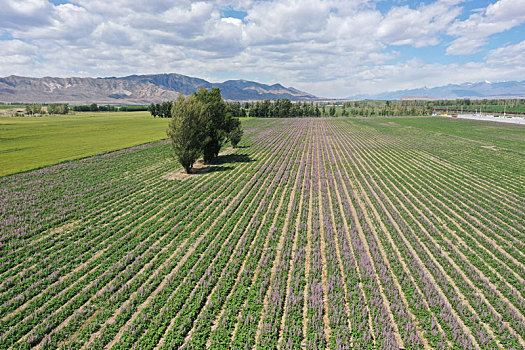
[
  {"x": 232, "y": 158},
  {"x": 210, "y": 169}
]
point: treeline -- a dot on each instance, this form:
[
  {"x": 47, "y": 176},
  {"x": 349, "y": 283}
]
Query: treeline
[
  {"x": 108, "y": 108},
  {"x": 284, "y": 108},
  {"x": 483, "y": 105},
  {"x": 201, "y": 124},
  {"x": 53, "y": 108},
  {"x": 161, "y": 110},
  {"x": 384, "y": 108}
]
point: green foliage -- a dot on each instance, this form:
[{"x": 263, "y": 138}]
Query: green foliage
[
  {"x": 186, "y": 130},
  {"x": 281, "y": 108},
  {"x": 108, "y": 108},
  {"x": 58, "y": 108},
  {"x": 161, "y": 110},
  {"x": 236, "y": 133},
  {"x": 152, "y": 109},
  {"x": 201, "y": 124},
  {"x": 29, "y": 143},
  {"x": 133, "y": 108},
  {"x": 216, "y": 122},
  {"x": 509, "y": 106},
  {"x": 34, "y": 109}
]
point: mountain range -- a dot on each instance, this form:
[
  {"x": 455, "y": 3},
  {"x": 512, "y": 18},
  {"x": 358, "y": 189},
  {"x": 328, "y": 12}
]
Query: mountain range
[
  {"x": 480, "y": 90},
  {"x": 133, "y": 89}
]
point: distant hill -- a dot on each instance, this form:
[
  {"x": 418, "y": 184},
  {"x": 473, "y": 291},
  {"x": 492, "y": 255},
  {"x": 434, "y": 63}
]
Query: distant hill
[
  {"x": 133, "y": 89},
  {"x": 486, "y": 89}
]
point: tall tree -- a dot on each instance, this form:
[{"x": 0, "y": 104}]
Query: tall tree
[
  {"x": 186, "y": 130},
  {"x": 215, "y": 128},
  {"x": 152, "y": 108}
]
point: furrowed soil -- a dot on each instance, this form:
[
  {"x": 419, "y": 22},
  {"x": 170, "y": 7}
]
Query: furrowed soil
[{"x": 315, "y": 233}]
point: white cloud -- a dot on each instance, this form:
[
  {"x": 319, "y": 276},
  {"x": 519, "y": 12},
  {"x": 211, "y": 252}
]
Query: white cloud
[
  {"x": 473, "y": 32},
  {"x": 509, "y": 55},
  {"x": 418, "y": 27},
  {"x": 327, "y": 47}
]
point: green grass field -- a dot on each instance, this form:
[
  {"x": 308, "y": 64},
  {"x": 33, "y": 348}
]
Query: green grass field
[
  {"x": 505, "y": 136},
  {"x": 11, "y": 106},
  {"x": 31, "y": 142}
]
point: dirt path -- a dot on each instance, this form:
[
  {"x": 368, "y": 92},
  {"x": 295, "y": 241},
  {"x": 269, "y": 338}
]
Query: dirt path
[
  {"x": 324, "y": 274},
  {"x": 308, "y": 260}
]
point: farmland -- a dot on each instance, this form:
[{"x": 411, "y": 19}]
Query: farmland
[
  {"x": 31, "y": 142},
  {"x": 317, "y": 233}
]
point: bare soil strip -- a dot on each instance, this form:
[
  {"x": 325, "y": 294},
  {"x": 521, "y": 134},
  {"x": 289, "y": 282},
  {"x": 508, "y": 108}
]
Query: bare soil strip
[
  {"x": 322, "y": 233},
  {"x": 308, "y": 258}
]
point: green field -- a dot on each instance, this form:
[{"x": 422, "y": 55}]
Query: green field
[
  {"x": 31, "y": 142},
  {"x": 507, "y": 137},
  {"x": 373, "y": 233},
  {"x": 11, "y": 106}
]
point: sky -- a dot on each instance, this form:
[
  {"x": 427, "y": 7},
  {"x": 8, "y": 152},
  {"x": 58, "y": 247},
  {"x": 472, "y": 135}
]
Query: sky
[{"x": 331, "y": 48}]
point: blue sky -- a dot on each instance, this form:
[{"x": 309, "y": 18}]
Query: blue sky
[{"x": 332, "y": 48}]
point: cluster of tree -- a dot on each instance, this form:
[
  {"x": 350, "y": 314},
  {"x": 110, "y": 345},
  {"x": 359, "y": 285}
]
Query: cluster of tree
[
  {"x": 281, "y": 108},
  {"x": 37, "y": 109},
  {"x": 201, "y": 124},
  {"x": 161, "y": 110},
  {"x": 34, "y": 109},
  {"x": 94, "y": 108},
  {"x": 133, "y": 108},
  {"x": 108, "y": 108},
  {"x": 285, "y": 108},
  {"x": 58, "y": 108},
  {"x": 512, "y": 106},
  {"x": 385, "y": 108}
]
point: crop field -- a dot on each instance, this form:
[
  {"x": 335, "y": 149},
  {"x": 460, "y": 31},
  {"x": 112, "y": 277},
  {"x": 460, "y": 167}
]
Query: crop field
[
  {"x": 317, "y": 233},
  {"x": 30, "y": 142}
]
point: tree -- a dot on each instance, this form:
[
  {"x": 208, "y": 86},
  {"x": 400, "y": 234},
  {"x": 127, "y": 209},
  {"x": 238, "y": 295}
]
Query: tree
[
  {"x": 164, "y": 110},
  {"x": 186, "y": 130},
  {"x": 152, "y": 108},
  {"x": 58, "y": 108},
  {"x": 93, "y": 107},
  {"x": 216, "y": 127},
  {"x": 332, "y": 111},
  {"x": 236, "y": 135},
  {"x": 34, "y": 109},
  {"x": 233, "y": 128}
]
